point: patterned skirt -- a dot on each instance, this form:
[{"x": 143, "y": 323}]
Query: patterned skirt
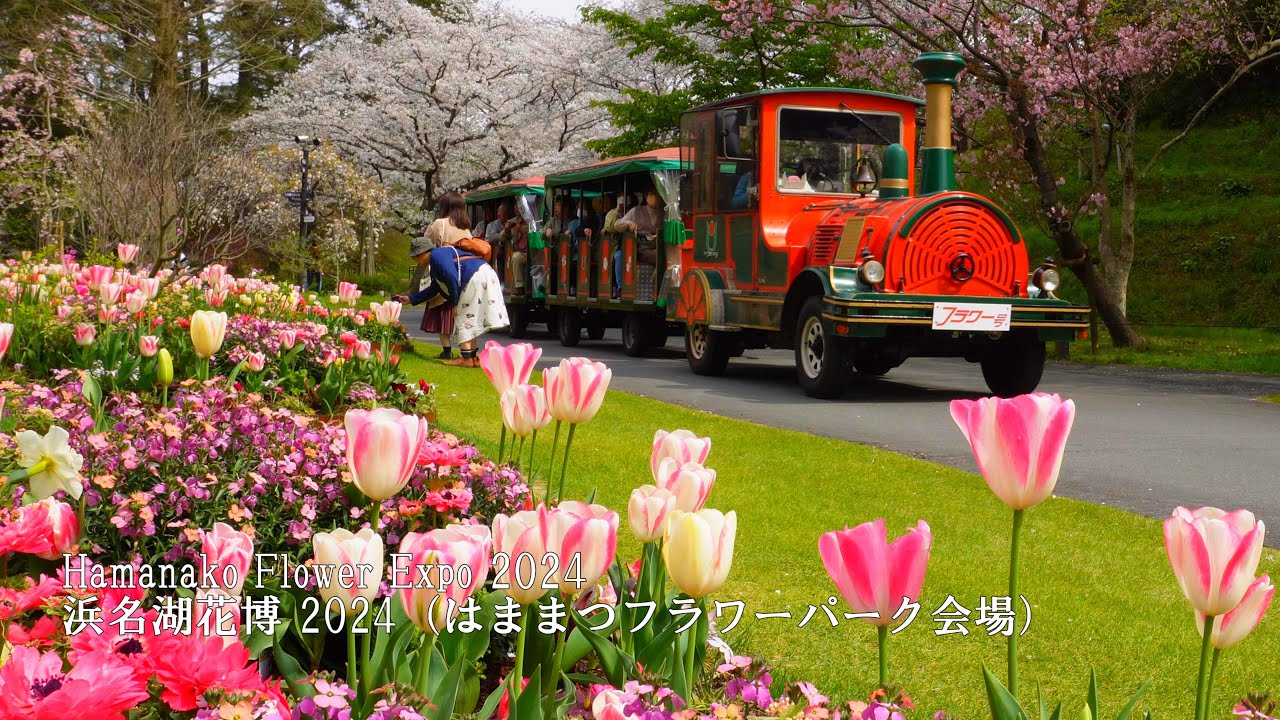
[{"x": 481, "y": 308}]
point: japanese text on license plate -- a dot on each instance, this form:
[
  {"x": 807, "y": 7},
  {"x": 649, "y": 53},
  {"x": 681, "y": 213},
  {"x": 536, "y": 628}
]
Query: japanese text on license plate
[{"x": 971, "y": 316}]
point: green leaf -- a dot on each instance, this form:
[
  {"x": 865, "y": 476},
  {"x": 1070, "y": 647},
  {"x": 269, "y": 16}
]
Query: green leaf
[
  {"x": 491, "y": 702},
  {"x": 1003, "y": 705},
  {"x": 446, "y": 694},
  {"x": 1092, "y": 699},
  {"x": 616, "y": 664},
  {"x": 529, "y": 704},
  {"x": 292, "y": 672},
  {"x": 1133, "y": 701}
]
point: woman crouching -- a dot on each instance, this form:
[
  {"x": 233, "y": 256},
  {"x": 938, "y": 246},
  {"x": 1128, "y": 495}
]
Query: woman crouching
[{"x": 466, "y": 282}]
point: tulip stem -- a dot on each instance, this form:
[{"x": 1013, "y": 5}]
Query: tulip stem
[
  {"x": 533, "y": 444},
  {"x": 690, "y": 672},
  {"x": 555, "y": 441},
  {"x": 1203, "y": 686},
  {"x": 1014, "y": 552},
  {"x": 374, "y": 514},
  {"x": 883, "y": 631},
  {"x": 366, "y": 652},
  {"x": 352, "y": 665},
  {"x": 517, "y": 673},
  {"x": 1208, "y": 688},
  {"x": 564, "y": 464},
  {"x": 519, "y": 453},
  {"x": 502, "y": 444}
]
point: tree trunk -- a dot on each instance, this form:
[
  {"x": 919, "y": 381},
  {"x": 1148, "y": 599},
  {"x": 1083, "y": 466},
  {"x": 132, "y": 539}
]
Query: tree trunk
[
  {"x": 1119, "y": 267},
  {"x": 164, "y": 78},
  {"x": 1074, "y": 254}
]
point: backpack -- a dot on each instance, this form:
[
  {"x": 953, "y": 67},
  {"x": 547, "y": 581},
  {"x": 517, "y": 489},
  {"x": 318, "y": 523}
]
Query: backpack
[{"x": 477, "y": 246}]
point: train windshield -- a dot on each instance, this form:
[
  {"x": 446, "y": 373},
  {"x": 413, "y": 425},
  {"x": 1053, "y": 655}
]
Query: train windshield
[{"x": 819, "y": 150}]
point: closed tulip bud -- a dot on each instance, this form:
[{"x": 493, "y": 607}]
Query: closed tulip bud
[
  {"x": 226, "y": 554},
  {"x": 1236, "y": 625},
  {"x": 109, "y": 293},
  {"x": 136, "y": 302},
  {"x": 524, "y": 409},
  {"x": 164, "y": 368},
  {"x": 66, "y": 528},
  {"x": 647, "y": 512},
  {"x": 148, "y": 345},
  {"x": 508, "y": 365},
  {"x": 362, "y": 552},
  {"x": 466, "y": 550},
  {"x": 576, "y": 388},
  {"x": 1018, "y": 443},
  {"x": 1214, "y": 555},
  {"x": 362, "y": 349},
  {"x": 6, "y": 338},
  {"x": 85, "y": 334},
  {"x": 383, "y": 446},
  {"x": 682, "y": 445},
  {"x": 872, "y": 574},
  {"x": 584, "y": 538},
  {"x": 518, "y": 534},
  {"x": 1086, "y": 713},
  {"x": 386, "y": 313},
  {"x": 698, "y": 550},
  {"x": 126, "y": 252},
  {"x": 256, "y": 361},
  {"x": 288, "y": 338},
  {"x": 208, "y": 329},
  {"x": 690, "y": 483}
]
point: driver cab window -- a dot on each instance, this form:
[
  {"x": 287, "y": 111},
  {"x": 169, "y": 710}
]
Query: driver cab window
[
  {"x": 822, "y": 151},
  {"x": 737, "y": 153}
]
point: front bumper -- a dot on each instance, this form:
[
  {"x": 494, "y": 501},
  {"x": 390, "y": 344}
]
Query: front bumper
[{"x": 870, "y": 314}]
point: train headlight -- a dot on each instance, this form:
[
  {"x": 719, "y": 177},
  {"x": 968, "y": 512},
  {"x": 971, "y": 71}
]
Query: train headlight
[
  {"x": 1046, "y": 277},
  {"x": 871, "y": 272}
]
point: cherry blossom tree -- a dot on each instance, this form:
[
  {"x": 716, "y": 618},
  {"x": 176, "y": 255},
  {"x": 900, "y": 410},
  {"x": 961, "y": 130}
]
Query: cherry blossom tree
[
  {"x": 1039, "y": 73},
  {"x": 426, "y": 104}
]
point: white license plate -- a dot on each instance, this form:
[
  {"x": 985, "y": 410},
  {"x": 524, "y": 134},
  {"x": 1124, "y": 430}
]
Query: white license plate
[{"x": 971, "y": 316}]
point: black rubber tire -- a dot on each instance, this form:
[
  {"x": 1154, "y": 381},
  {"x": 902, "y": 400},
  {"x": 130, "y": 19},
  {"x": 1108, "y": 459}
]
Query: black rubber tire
[
  {"x": 820, "y": 360},
  {"x": 553, "y": 321},
  {"x": 635, "y": 334},
  {"x": 715, "y": 350},
  {"x": 569, "y": 326},
  {"x": 595, "y": 330},
  {"x": 658, "y": 333},
  {"x": 519, "y": 315},
  {"x": 1014, "y": 366}
]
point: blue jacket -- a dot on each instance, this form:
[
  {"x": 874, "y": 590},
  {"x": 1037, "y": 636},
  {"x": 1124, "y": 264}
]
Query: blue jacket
[{"x": 451, "y": 270}]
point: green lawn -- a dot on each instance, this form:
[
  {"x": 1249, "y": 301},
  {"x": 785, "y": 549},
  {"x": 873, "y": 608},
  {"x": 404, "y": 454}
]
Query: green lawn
[
  {"x": 1100, "y": 587},
  {"x": 1213, "y": 349}
]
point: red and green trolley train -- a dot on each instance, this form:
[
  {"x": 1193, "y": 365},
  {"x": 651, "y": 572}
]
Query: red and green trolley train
[{"x": 788, "y": 220}]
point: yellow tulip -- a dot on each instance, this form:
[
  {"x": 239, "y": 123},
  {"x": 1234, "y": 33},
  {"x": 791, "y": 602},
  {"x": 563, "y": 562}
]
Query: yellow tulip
[
  {"x": 164, "y": 368},
  {"x": 208, "y": 328},
  {"x": 698, "y": 550}
]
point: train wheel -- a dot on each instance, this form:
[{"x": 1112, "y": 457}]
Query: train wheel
[
  {"x": 519, "y": 315},
  {"x": 1014, "y": 368},
  {"x": 658, "y": 334},
  {"x": 635, "y": 334},
  {"x": 820, "y": 365},
  {"x": 708, "y": 351},
  {"x": 569, "y": 326},
  {"x": 553, "y": 321},
  {"x": 874, "y": 366},
  {"x": 595, "y": 330}
]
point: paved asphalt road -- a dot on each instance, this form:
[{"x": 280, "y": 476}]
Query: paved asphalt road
[{"x": 1143, "y": 440}]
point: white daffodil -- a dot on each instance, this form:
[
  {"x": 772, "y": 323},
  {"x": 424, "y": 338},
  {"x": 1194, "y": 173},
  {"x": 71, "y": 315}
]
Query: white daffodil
[{"x": 50, "y": 463}]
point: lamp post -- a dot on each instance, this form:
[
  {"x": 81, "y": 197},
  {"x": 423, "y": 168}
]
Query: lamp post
[{"x": 306, "y": 143}]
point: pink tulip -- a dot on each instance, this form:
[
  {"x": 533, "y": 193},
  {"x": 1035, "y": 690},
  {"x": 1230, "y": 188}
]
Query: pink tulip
[
  {"x": 873, "y": 575},
  {"x": 135, "y": 302},
  {"x": 1017, "y": 442},
  {"x": 1236, "y": 625},
  {"x": 108, "y": 314},
  {"x": 149, "y": 286},
  {"x": 611, "y": 704},
  {"x": 109, "y": 293},
  {"x": 348, "y": 293},
  {"x": 148, "y": 345},
  {"x": 99, "y": 274},
  {"x": 288, "y": 338},
  {"x": 6, "y": 337},
  {"x": 508, "y": 365},
  {"x": 457, "y": 560},
  {"x": 647, "y": 512},
  {"x": 386, "y": 313},
  {"x": 256, "y": 361},
  {"x": 66, "y": 529},
  {"x": 215, "y": 298},
  {"x": 583, "y": 539},
  {"x": 126, "y": 252},
  {"x": 682, "y": 445},
  {"x": 362, "y": 349},
  {"x": 382, "y": 448},
  {"x": 690, "y": 483},
  {"x": 226, "y": 553},
  {"x": 214, "y": 275},
  {"x": 524, "y": 409},
  {"x": 527, "y": 532},
  {"x": 64, "y": 311},
  {"x": 85, "y": 333},
  {"x": 576, "y": 389},
  {"x": 1214, "y": 555}
]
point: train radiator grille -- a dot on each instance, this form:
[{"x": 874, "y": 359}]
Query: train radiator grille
[
  {"x": 958, "y": 248},
  {"x": 826, "y": 239}
]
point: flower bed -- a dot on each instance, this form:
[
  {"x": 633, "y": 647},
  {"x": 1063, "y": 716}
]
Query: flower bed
[{"x": 366, "y": 566}]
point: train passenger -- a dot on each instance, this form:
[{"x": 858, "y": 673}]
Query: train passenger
[
  {"x": 644, "y": 221},
  {"x": 587, "y": 228},
  {"x": 516, "y": 236},
  {"x": 615, "y": 245},
  {"x": 493, "y": 235}
]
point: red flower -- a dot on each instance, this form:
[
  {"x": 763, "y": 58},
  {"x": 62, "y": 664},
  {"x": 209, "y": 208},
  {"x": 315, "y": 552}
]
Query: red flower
[
  {"x": 185, "y": 323},
  {"x": 189, "y": 665},
  {"x": 27, "y": 530},
  {"x": 41, "y": 635},
  {"x": 99, "y": 687},
  {"x": 504, "y": 710},
  {"x": 16, "y": 602}
]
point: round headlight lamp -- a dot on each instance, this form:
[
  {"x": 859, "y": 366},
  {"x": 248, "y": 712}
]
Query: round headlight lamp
[
  {"x": 871, "y": 272},
  {"x": 1049, "y": 280}
]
